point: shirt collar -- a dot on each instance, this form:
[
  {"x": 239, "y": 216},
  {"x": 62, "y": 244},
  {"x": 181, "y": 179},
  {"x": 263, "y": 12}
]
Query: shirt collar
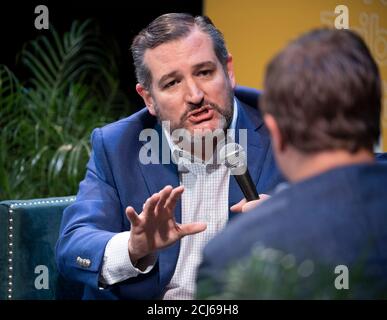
[{"x": 234, "y": 116}]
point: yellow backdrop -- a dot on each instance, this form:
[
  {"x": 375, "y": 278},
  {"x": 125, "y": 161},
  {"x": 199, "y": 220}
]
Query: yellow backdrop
[{"x": 255, "y": 30}]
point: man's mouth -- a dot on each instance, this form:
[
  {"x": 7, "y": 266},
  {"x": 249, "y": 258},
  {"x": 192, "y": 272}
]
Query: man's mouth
[{"x": 199, "y": 115}]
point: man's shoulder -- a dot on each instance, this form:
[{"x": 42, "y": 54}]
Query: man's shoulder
[
  {"x": 252, "y": 111},
  {"x": 131, "y": 125},
  {"x": 308, "y": 212},
  {"x": 247, "y": 95},
  {"x": 249, "y": 115},
  {"x": 327, "y": 199},
  {"x": 140, "y": 118}
]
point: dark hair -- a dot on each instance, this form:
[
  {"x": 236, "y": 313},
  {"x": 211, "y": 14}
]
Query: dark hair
[
  {"x": 324, "y": 92},
  {"x": 169, "y": 27}
]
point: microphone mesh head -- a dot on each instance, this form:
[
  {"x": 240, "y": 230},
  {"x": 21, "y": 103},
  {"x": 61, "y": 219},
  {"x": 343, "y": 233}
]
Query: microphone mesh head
[{"x": 233, "y": 156}]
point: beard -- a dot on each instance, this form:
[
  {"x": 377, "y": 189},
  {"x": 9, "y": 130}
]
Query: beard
[{"x": 225, "y": 112}]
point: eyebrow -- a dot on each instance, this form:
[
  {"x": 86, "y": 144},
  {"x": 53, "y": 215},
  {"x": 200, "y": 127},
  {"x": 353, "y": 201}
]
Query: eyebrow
[
  {"x": 205, "y": 64},
  {"x": 173, "y": 74}
]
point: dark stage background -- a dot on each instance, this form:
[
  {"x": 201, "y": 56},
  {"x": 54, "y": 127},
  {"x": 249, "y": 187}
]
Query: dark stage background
[{"x": 119, "y": 20}]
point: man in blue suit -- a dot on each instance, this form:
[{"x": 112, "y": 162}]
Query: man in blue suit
[
  {"x": 124, "y": 237},
  {"x": 322, "y": 106}
]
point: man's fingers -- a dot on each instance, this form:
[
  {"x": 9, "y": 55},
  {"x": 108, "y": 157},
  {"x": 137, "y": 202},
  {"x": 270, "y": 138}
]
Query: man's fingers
[
  {"x": 239, "y": 206},
  {"x": 192, "y": 228},
  {"x": 252, "y": 204},
  {"x": 174, "y": 196},
  {"x": 132, "y": 216},
  {"x": 264, "y": 196},
  {"x": 150, "y": 204},
  {"x": 244, "y": 206},
  {"x": 164, "y": 195}
]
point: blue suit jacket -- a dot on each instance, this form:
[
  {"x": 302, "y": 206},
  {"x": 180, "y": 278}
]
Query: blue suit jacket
[
  {"x": 116, "y": 179},
  {"x": 336, "y": 218}
]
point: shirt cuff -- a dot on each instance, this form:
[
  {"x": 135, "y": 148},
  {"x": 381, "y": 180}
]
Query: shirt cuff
[{"x": 117, "y": 265}]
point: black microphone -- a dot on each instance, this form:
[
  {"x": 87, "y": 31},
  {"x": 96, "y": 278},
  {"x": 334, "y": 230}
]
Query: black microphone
[{"x": 234, "y": 157}]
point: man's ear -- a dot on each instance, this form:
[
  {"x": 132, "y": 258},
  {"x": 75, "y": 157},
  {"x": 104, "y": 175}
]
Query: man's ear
[
  {"x": 275, "y": 133},
  {"x": 147, "y": 97},
  {"x": 230, "y": 70}
]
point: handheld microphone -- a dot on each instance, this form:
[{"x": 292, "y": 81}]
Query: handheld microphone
[{"x": 234, "y": 157}]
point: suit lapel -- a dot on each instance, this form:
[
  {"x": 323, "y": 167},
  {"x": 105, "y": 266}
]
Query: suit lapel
[
  {"x": 257, "y": 148},
  {"x": 157, "y": 176}
]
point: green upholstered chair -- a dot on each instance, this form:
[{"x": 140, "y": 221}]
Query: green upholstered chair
[{"x": 29, "y": 230}]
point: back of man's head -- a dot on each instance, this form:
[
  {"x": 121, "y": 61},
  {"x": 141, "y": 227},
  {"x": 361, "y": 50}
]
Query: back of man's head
[{"x": 324, "y": 92}]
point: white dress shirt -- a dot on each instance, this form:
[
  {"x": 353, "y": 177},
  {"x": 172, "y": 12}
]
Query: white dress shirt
[{"x": 205, "y": 199}]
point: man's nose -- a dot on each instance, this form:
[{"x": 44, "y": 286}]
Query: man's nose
[{"x": 194, "y": 94}]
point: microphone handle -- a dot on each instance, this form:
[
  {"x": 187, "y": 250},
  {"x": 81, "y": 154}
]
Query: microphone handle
[{"x": 247, "y": 186}]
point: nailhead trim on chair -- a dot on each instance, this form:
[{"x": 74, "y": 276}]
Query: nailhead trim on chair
[
  {"x": 10, "y": 252},
  {"x": 10, "y": 235}
]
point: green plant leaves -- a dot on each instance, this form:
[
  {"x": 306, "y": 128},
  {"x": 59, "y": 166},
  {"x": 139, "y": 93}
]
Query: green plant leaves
[{"x": 46, "y": 120}]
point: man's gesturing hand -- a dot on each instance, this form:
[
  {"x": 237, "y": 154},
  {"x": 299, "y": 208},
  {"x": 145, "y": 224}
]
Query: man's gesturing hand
[{"x": 155, "y": 228}]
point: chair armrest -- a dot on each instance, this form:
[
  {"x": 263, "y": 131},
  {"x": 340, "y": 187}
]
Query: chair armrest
[{"x": 28, "y": 235}]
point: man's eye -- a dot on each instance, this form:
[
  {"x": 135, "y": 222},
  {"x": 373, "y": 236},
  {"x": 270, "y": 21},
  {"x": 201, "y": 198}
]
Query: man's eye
[
  {"x": 170, "y": 84},
  {"x": 205, "y": 72}
]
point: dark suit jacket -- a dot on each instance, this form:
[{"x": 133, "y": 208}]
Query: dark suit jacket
[
  {"x": 115, "y": 179},
  {"x": 336, "y": 218}
]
